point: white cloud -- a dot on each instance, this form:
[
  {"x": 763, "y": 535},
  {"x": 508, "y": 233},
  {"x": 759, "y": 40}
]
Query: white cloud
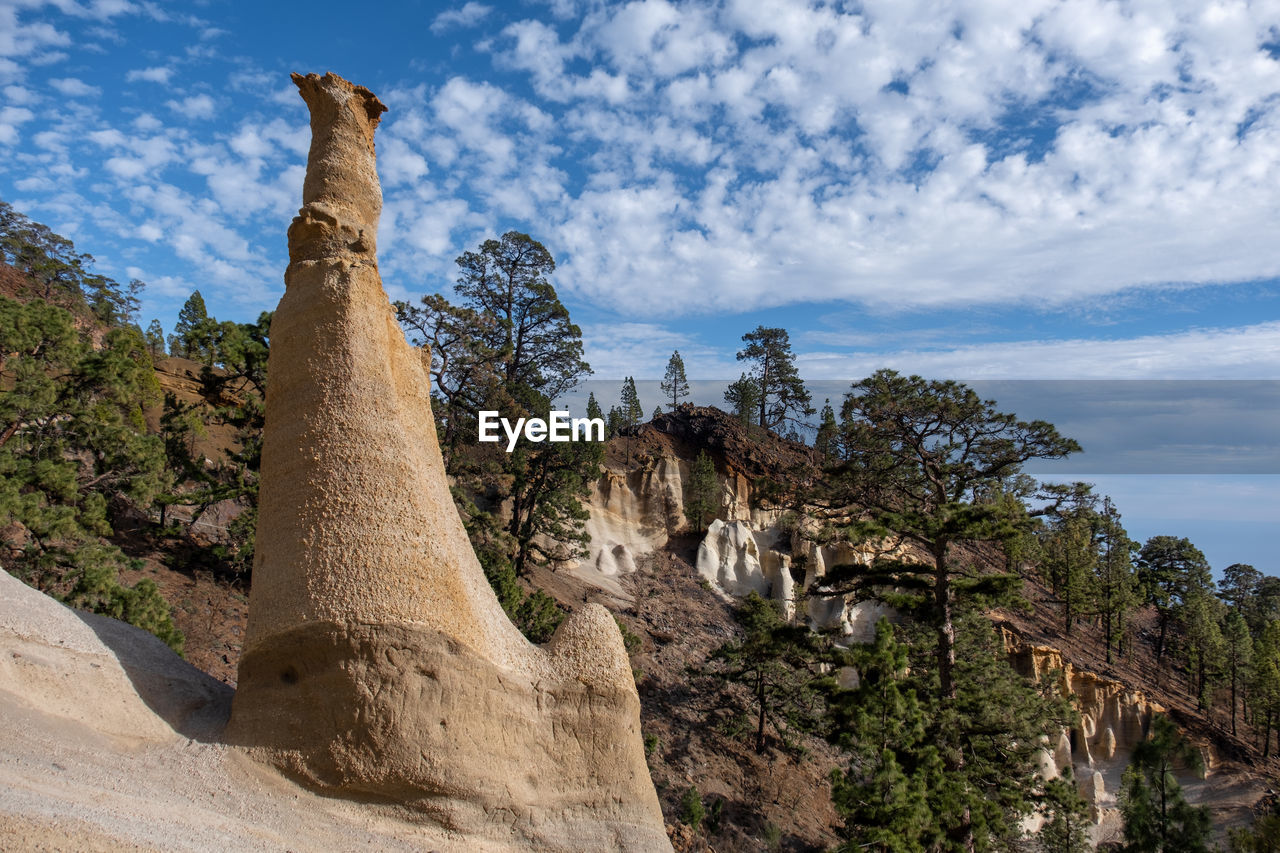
[
  {"x": 1249, "y": 352},
  {"x": 19, "y": 96},
  {"x": 128, "y": 168},
  {"x": 18, "y": 39},
  {"x": 108, "y": 138},
  {"x": 72, "y": 87},
  {"x": 641, "y": 350},
  {"x": 194, "y": 107},
  {"x": 685, "y": 157},
  {"x": 155, "y": 74},
  {"x": 398, "y": 163},
  {"x": 467, "y": 16},
  {"x": 10, "y": 119},
  {"x": 659, "y": 36}
]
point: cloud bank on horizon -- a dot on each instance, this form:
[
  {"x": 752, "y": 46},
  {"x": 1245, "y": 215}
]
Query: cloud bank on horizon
[{"x": 701, "y": 167}]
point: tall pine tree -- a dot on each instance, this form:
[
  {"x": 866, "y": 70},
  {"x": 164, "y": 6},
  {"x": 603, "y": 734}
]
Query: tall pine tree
[
  {"x": 1157, "y": 816},
  {"x": 674, "y": 383},
  {"x": 1171, "y": 569},
  {"x": 632, "y": 411},
  {"x": 779, "y": 665},
  {"x": 1114, "y": 585},
  {"x": 922, "y": 462},
  {"x": 1069, "y": 549},
  {"x": 782, "y": 395},
  {"x": 701, "y": 492}
]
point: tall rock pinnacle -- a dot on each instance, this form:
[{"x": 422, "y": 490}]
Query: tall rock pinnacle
[{"x": 378, "y": 663}]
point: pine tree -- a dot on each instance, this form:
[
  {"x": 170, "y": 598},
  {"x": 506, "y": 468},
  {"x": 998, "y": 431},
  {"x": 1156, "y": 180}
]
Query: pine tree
[
  {"x": 593, "y": 406},
  {"x": 74, "y": 454},
  {"x": 1205, "y": 649},
  {"x": 511, "y": 347},
  {"x": 779, "y": 665},
  {"x": 1066, "y": 826},
  {"x": 1239, "y": 589},
  {"x": 824, "y": 443},
  {"x": 918, "y": 452},
  {"x": 782, "y": 395},
  {"x": 925, "y": 462},
  {"x": 1157, "y": 817},
  {"x": 155, "y": 340},
  {"x": 883, "y": 793},
  {"x": 702, "y": 492},
  {"x": 540, "y": 348},
  {"x": 191, "y": 330},
  {"x": 657, "y": 413},
  {"x": 674, "y": 383},
  {"x": 1237, "y": 657},
  {"x": 615, "y": 422},
  {"x": 904, "y": 788},
  {"x": 1170, "y": 570},
  {"x": 743, "y": 397},
  {"x": 1069, "y": 549},
  {"x": 1114, "y": 586},
  {"x": 1264, "y": 687},
  {"x": 632, "y": 411}
]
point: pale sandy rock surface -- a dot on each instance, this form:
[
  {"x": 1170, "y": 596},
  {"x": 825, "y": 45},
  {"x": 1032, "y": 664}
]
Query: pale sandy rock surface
[
  {"x": 109, "y": 742},
  {"x": 1114, "y": 718}
]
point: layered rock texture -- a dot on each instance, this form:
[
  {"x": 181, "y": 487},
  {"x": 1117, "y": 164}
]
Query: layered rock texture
[
  {"x": 378, "y": 664},
  {"x": 637, "y": 506},
  {"x": 1114, "y": 718}
]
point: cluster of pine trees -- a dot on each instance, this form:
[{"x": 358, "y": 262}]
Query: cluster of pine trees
[
  {"x": 941, "y": 734},
  {"x": 1221, "y": 637},
  {"x": 78, "y": 461}
]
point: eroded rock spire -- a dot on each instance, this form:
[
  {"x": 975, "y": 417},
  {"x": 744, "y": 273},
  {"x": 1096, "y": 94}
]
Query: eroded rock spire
[{"x": 377, "y": 660}]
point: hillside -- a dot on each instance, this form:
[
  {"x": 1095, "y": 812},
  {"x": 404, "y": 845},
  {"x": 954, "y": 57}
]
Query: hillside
[
  {"x": 679, "y": 619},
  {"x": 172, "y": 519}
]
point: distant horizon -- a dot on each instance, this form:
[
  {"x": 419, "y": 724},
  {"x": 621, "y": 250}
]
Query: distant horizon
[{"x": 1226, "y": 507}]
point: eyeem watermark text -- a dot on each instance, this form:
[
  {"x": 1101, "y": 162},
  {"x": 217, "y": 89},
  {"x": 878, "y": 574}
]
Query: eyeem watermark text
[{"x": 559, "y": 428}]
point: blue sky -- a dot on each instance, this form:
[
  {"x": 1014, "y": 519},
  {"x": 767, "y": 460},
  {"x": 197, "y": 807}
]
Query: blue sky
[{"x": 990, "y": 189}]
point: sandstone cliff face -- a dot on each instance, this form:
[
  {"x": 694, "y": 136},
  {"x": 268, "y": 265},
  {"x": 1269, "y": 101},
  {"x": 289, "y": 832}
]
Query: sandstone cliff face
[
  {"x": 1114, "y": 718},
  {"x": 635, "y": 510},
  {"x": 378, "y": 663},
  {"x": 633, "y": 513}
]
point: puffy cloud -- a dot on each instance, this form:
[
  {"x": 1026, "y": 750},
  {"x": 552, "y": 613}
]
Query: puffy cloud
[
  {"x": 685, "y": 157},
  {"x": 10, "y": 120},
  {"x": 194, "y": 107},
  {"x": 467, "y": 16},
  {"x": 641, "y": 350},
  {"x": 72, "y": 87},
  {"x": 155, "y": 74}
]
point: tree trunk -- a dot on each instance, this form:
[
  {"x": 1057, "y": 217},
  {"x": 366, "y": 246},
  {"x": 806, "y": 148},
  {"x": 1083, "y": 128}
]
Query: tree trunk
[
  {"x": 1233, "y": 699},
  {"x": 760, "y": 724},
  {"x": 946, "y": 653},
  {"x": 946, "y": 657},
  {"x": 1107, "y": 630}
]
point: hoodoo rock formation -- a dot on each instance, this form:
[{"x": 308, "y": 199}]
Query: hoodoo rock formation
[{"x": 378, "y": 663}]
